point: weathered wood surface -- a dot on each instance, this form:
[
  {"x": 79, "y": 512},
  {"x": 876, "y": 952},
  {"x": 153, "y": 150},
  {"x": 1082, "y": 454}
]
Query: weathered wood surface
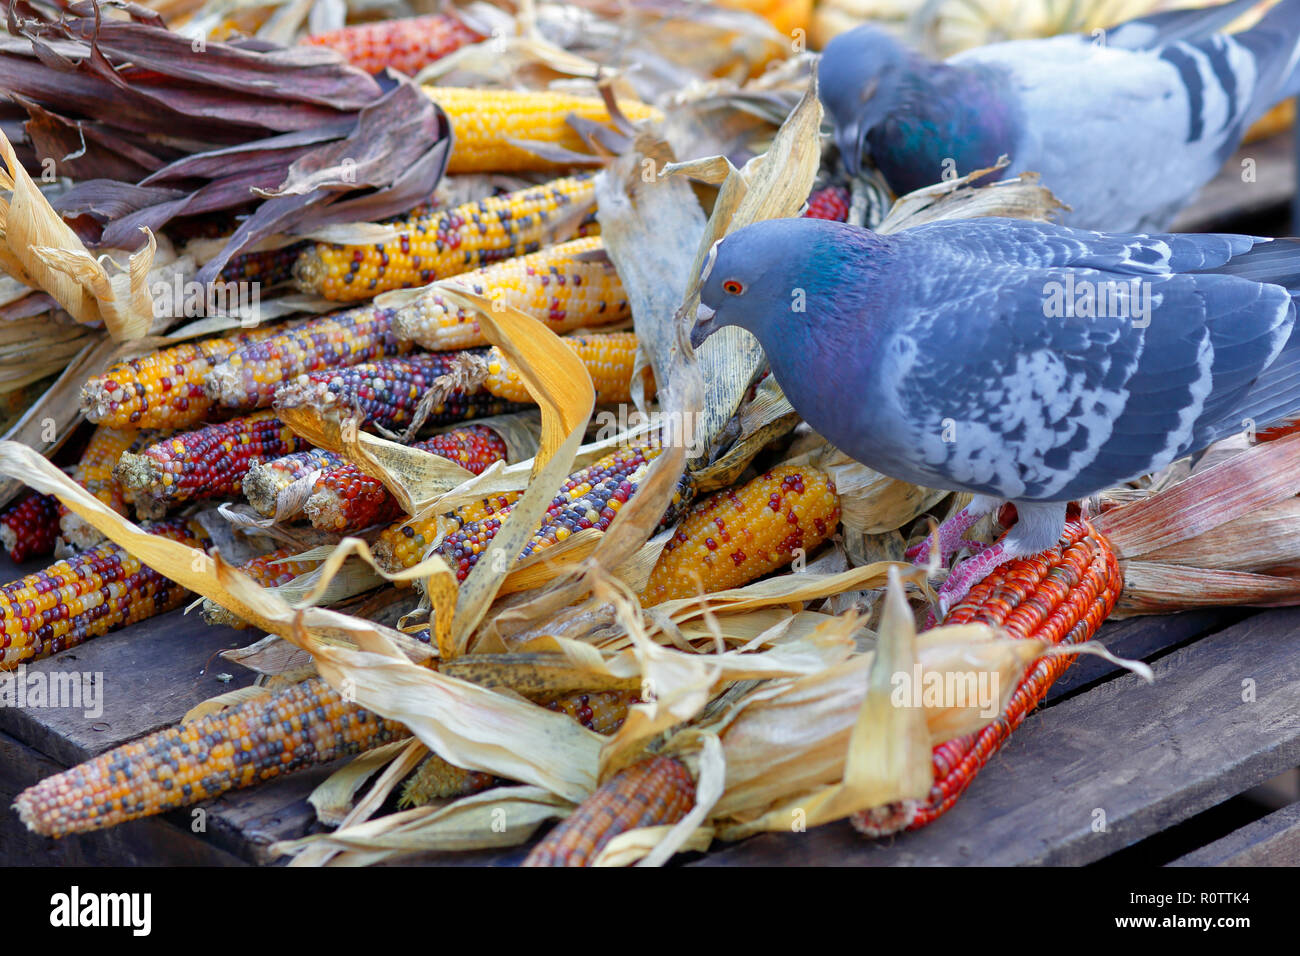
[
  {"x": 1271, "y": 841},
  {"x": 1234, "y": 194}
]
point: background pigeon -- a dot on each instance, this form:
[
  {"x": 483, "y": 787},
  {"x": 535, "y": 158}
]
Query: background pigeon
[
  {"x": 1019, "y": 361},
  {"x": 1125, "y": 128}
]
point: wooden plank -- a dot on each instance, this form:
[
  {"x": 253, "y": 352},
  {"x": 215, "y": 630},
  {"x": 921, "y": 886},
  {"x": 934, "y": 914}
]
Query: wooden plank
[
  {"x": 1271, "y": 841},
  {"x": 1229, "y": 197},
  {"x": 1132, "y": 757}
]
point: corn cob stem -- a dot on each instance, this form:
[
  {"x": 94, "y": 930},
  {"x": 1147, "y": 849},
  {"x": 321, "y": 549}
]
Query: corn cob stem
[
  {"x": 434, "y": 245},
  {"x": 85, "y": 596},
  {"x": 736, "y": 536},
  {"x": 30, "y": 526},
  {"x": 654, "y": 792},
  {"x": 1061, "y": 596},
  {"x": 267, "y": 479},
  {"x": 208, "y": 463},
  {"x": 408, "y": 44},
  {"x": 568, "y": 286},
  {"x": 305, "y": 725}
]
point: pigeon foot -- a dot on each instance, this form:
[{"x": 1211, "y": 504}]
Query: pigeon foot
[{"x": 950, "y": 533}]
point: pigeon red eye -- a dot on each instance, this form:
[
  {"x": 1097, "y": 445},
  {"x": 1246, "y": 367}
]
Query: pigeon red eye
[{"x": 733, "y": 287}]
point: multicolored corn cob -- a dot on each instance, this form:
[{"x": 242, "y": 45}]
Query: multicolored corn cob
[
  {"x": 609, "y": 357},
  {"x": 94, "y": 472},
  {"x": 209, "y": 462},
  {"x": 487, "y": 124},
  {"x": 388, "y": 393},
  {"x": 270, "y": 570},
  {"x": 266, "y": 479},
  {"x": 302, "y": 726},
  {"x": 269, "y": 268},
  {"x": 655, "y": 792},
  {"x": 249, "y": 376},
  {"x": 829, "y": 202},
  {"x": 87, "y": 595},
  {"x": 434, "y": 245},
  {"x": 1060, "y": 596},
  {"x": 163, "y": 389},
  {"x": 408, "y": 44},
  {"x": 736, "y": 536},
  {"x": 568, "y": 286},
  {"x": 30, "y": 526},
  {"x": 599, "y": 711},
  {"x": 346, "y": 498},
  {"x": 404, "y": 545}
]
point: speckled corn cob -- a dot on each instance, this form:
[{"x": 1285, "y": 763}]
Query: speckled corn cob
[
  {"x": 599, "y": 711},
  {"x": 163, "y": 389},
  {"x": 608, "y": 356},
  {"x": 735, "y": 536},
  {"x": 568, "y": 286},
  {"x": 447, "y": 242},
  {"x": 655, "y": 792},
  {"x": 87, "y": 595},
  {"x": 403, "y": 545},
  {"x": 94, "y": 472},
  {"x": 249, "y": 377},
  {"x": 210, "y": 462},
  {"x": 486, "y": 124},
  {"x": 302, "y": 726},
  {"x": 388, "y": 392},
  {"x": 1060, "y": 596},
  {"x": 408, "y": 44},
  {"x": 270, "y": 570},
  {"x": 30, "y": 526},
  {"x": 266, "y": 479},
  {"x": 347, "y": 499},
  {"x": 271, "y": 267}
]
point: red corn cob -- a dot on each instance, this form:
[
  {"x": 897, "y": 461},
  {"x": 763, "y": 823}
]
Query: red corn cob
[
  {"x": 210, "y": 462},
  {"x": 345, "y": 498},
  {"x": 1061, "y": 596},
  {"x": 654, "y": 792},
  {"x": 830, "y": 202},
  {"x": 30, "y": 526},
  {"x": 407, "y": 45}
]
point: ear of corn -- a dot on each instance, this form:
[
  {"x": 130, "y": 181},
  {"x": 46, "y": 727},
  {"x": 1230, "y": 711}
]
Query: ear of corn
[
  {"x": 436, "y": 779},
  {"x": 1061, "y": 596},
  {"x": 269, "y": 570},
  {"x": 600, "y": 711},
  {"x": 85, "y": 596},
  {"x": 94, "y": 472},
  {"x": 655, "y": 792},
  {"x": 608, "y": 356},
  {"x": 266, "y": 479},
  {"x": 408, "y": 44},
  {"x": 30, "y": 526},
  {"x": 387, "y": 393},
  {"x": 486, "y": 125},
  {"x": 736, "y": 536},
  {"x": 305, "y": 725},
  {"x": 434, "y": 245},
  {"x": 250, "y": 375},
  {"x": 830, "y": 202},
  {"x": 268, "y": 268},
  {"x": 347, "y": 499},
  {"x": 564, "y": 285},
  {"x": 163, "y": 389},
  {"x": 403, "y": 545},
  {"x": 210, "y": 462}
]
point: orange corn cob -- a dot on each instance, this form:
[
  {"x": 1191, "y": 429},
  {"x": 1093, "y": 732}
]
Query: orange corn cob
[
  {"x": 270, "y": 570},
  {"x": 403, "y": 545},
  {"x": 1061, "y": 596},
  {"x": 266, "y": 479},
  {"x": 487, "y": 124},
  {"x": 655, "y": 792},
  {"x": 434, "y": 245},
  {"x": 30, "y": 526},
  {"x": 85, "y": 596},
  {"x": 249, "y": 376},
  {"x": 408, "y": 44},
  {"x": 608, "y": 356},
  {"x": 163, "y": 389},
  {"x": 734, "y": 536},
  {"x": 302, "y": 726},
  {"x": 568, "y": 286},
  {"x": 210, "y": 462},
  {"x": 347, "y": 499}
]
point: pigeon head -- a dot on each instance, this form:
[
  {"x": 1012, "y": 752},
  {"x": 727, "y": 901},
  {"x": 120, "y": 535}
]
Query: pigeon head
[
  {"x": 784, "y": 279},
  {"x": 860, "y": 80}
]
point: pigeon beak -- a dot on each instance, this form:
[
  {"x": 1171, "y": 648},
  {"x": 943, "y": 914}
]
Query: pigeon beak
[
  {"x": 705, "y": 325},
  {"x": 849, "y": 141}
]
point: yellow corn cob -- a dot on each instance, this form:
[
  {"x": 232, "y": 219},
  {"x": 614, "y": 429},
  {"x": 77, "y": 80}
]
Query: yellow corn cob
[
  {"x": 94, "y": 472},
  {"x": 447, "y": 242},
  {"x": 734, "y": 537},
  {"x": 436, "y": 779},
  {"x": 486, "y": 124},
  {"x": 565, "y": 286},
  {"x": 609, "y": 357}
]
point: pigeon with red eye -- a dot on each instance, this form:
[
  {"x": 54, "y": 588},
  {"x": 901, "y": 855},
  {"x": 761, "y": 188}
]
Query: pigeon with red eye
[{"x": 1020, "y": 362}]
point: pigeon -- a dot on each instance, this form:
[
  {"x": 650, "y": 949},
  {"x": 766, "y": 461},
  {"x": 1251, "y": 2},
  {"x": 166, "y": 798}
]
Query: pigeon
[
  {"x": 1022, "y": 362},
  {"x": 1124, "y": 127}
]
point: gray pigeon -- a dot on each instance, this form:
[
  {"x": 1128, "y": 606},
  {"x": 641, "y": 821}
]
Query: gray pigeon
[
  {"x": 1018, "y": 361},
  {"x": 1125, "y": 128}
]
